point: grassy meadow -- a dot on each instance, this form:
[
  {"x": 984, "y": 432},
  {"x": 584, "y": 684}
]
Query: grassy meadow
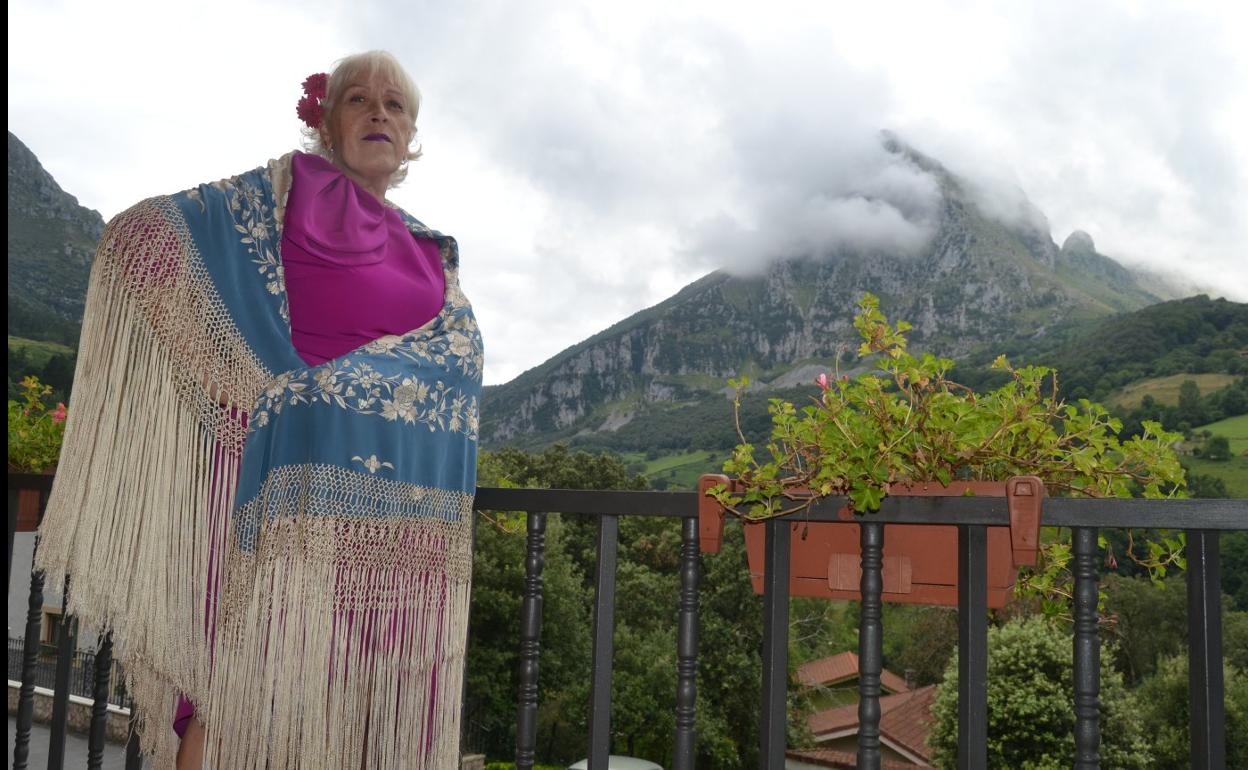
[
  {"x": 680, "y": 471},
  {"x": 38, "y": 351},
  {"x": 1165, "y": 390},
  {"x": 1233, "y": 472}
]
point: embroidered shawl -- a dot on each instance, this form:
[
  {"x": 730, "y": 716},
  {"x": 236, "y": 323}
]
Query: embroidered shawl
[{"x": 316, "y": 608}]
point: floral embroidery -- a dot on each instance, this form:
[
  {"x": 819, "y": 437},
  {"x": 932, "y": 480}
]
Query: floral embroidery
[
  {"x": 358, "y": 387},
  {"x": 457, "y": 344},
  {"x": 372, "y": 463},
  {"x": 252, "y": 220}
]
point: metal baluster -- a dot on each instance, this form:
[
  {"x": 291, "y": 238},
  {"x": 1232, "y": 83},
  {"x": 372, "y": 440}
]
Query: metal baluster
[
  {"x": 134, "y": 756},
  {"x": 99, "y": 708},
  {"x": 870, "y": 645},
  {"x": 530, "y": 641},
  {"x": 604, "y": 644},
  {"x": 775, "y": 643},
  {"x": 66, "y": 643},
  {"x": 687, "y": 646},
  {"x": 972, "y": 643},
  {"x": 1087, "y": 651},
  {"x": 972, "y": 647},
  {"x": 1204, "y": 623},
  {"x": 30, "y": 656}
]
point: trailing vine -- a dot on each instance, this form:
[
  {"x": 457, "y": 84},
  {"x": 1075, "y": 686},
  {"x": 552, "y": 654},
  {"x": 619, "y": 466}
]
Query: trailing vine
[{"x": 907, "y": 421}]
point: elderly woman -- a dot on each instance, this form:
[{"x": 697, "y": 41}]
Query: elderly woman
[{"x": 267, "y": 482}]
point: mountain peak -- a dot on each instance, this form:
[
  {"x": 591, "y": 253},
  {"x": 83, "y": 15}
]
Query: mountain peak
[
  {"x": 989, "y": 272},
  {"x": 1078, "y": 242}
]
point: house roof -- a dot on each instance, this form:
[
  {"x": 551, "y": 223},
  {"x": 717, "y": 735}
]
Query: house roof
[
  {"x": 910, "y": 722},
  {"x": 840, "y": 759},
  {"x": 838, "y": 668},
  {"x": 905, "y": 720}
]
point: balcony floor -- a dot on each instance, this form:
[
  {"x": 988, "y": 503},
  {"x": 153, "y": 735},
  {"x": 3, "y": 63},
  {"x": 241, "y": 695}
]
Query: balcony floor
[{"x": 75, "y": 749}]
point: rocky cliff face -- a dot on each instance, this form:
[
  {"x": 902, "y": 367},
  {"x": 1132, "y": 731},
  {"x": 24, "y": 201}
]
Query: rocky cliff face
[
  {"x": 51, "y": 244},
  {"x": 978, "y": 280}
]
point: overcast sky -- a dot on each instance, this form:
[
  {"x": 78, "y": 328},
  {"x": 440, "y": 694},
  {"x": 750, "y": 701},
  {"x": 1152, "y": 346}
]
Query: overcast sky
[{"x": 594, "y": 157}]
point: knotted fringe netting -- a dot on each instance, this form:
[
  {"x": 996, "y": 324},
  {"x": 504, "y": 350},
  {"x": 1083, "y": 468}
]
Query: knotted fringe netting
[{"x": 331, "y": 635}]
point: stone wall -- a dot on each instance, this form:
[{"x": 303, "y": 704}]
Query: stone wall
[{"x": 79, "y": 716}]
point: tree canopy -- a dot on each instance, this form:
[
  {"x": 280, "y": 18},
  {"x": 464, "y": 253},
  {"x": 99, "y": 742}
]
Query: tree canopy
[{"x": 1031, "y": 704}]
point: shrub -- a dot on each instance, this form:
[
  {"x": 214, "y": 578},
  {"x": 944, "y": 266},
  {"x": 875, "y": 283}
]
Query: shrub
[
  {"x": 1031, "y": 716},
  {"x": 1162, "y": 703},
  {"x": 35, "y": 431}
]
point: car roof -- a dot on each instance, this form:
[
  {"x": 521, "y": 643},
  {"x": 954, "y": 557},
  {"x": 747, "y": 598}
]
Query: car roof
[{"x": 617, "y": 762}]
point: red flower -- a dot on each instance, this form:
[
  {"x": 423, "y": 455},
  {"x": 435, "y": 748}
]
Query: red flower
[
  {"x": 58, "y": 414},
  {"x": 309, "y": 108},
  {"x": 309, "y": 111},
  {"x": 315, "y": 85}
]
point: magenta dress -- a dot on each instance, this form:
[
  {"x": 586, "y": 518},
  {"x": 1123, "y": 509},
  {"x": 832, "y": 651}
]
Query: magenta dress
[{"x": 353, "y": 273}]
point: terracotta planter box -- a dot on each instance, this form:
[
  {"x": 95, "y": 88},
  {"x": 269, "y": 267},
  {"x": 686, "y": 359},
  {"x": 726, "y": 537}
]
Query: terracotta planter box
[{"x": 920, "y": 561}]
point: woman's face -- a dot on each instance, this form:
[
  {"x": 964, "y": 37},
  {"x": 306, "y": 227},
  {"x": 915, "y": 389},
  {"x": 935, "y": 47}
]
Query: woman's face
[{"x": 369, "y": 133}]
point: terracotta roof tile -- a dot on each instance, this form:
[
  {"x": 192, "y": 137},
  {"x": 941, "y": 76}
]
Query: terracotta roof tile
[
  {"x": 830, "y": 669},
  {"x": 892, "y": 682},
  {"x": 833, "y": 719},
  {"x": 910, "y": 722},
  {"x": 836, "y": 668},
  {"x": 844, "y": 717},
  {"x": 905, "y": 719},
  {"x": 840, "y": 759}
]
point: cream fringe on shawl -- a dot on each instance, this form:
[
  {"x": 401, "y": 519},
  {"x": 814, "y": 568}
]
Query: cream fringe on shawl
[{"x": 331, "y": 629}]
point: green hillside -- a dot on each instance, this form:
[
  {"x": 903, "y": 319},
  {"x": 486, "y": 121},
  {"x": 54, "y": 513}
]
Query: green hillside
[
  {"x": 1165, "y": 390},
  {"x": 675, "y": 471},
  {"x": 37, "y": 352},
  {"x": 51, "y": 362},
  {"x": 1233, "y": 472},
  {"x": 1234, "y": 428},
  {"x": 1153, "y": 350},
  {"x": 1098, "y": 359}
]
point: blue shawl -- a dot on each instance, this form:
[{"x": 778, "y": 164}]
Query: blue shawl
[{"x": 315, "y": 609}]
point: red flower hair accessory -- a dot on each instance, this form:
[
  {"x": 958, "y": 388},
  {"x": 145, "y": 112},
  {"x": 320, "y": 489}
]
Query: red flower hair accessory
[{"x": 309, "y": 107}]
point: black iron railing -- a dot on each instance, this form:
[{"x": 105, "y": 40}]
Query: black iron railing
[
  {"x": 83, "y": 667},
  {"x": 1202, "y": 519}
]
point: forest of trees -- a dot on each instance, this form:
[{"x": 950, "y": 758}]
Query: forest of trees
[{"x": 56, "y": 370}]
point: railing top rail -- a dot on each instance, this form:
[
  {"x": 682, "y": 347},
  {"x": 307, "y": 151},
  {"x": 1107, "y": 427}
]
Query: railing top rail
[
  {"x": 1221, "y": 514},
  {"x": 588, "y": 501},
  {"x": 21, "y": 480},
  {"x": 1224, "y": 514}
]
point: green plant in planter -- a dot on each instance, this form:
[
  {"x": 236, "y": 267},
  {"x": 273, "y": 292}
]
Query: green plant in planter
[
  {"x": 906, "y": 421},
  {"x": 35, "y": 431}
]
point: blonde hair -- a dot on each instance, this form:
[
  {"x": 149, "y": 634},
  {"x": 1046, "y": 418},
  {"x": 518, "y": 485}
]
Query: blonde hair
[{"x": 364, "y": 67}]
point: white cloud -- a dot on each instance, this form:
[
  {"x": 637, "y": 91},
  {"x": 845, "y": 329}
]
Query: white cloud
[{"x": 592, "y": 158}]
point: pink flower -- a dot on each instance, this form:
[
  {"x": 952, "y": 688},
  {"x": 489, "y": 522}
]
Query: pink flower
[
  {"x": 844, "y": 378},
  {"x": 822, "y": 381},
  {"x": 58, "y": 414}
]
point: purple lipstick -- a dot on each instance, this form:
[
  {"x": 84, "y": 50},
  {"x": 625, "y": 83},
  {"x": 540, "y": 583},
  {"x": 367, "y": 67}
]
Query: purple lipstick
[{"x": 377, "y": 138}]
